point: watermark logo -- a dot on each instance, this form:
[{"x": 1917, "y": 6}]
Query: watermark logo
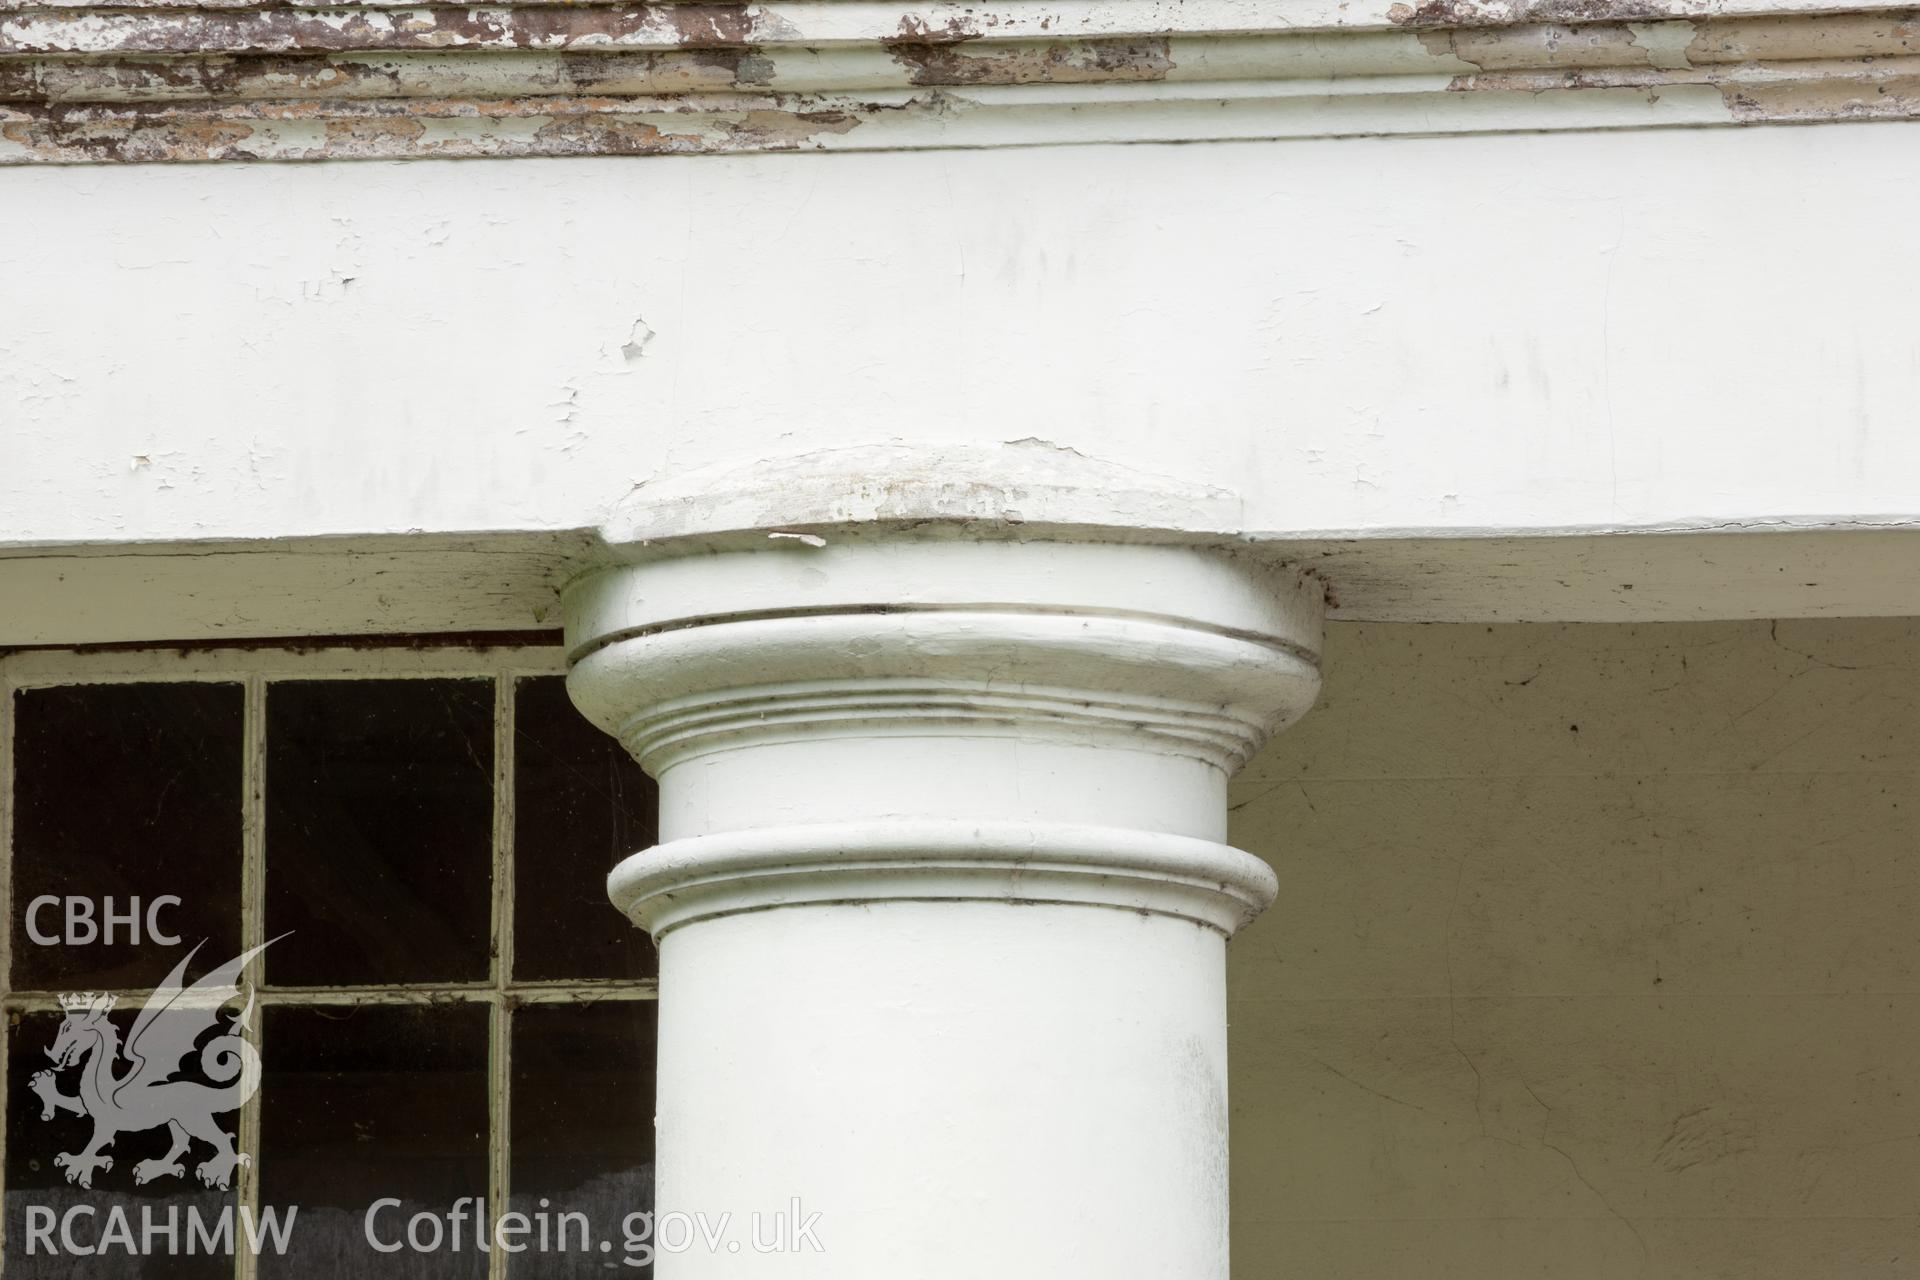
[
  {"x": 80, "y": 922},
  {"x": 189, "y": 1057},
  {"x": 130, "y": 1087}
]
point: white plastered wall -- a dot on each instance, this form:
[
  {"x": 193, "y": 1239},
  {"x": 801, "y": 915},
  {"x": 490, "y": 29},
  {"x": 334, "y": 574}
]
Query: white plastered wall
[{"x": 1594, "y": 957}]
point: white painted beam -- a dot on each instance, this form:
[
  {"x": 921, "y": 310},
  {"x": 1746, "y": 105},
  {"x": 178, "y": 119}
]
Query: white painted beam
[{"x": 1421, "y": 361}]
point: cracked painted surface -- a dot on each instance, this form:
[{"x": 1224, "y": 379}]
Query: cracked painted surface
[
  {"x": 1482, "y": 337},
  {"x": 246, "y": 80}
]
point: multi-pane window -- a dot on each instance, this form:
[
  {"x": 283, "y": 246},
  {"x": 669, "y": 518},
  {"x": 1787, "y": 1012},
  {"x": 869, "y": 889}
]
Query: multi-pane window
[{"x": 447, "y": 1012}]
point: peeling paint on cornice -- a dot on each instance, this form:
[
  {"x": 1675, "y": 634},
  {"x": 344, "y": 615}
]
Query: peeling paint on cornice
[{"x": 235, "y": 79}]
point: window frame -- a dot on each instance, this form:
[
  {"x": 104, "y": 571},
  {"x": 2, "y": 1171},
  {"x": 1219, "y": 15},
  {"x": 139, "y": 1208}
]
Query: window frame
[{"x": 255, "y": 666}]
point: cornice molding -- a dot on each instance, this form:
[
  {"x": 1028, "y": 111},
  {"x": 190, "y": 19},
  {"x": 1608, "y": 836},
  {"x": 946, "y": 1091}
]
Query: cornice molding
[{"x": 236, "y": 79}]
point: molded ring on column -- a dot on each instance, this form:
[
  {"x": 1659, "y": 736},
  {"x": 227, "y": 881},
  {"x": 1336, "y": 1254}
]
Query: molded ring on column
[
  {"x": 1158, "y": 684},
  {"x": 700, "y": 878},
  {"x": 685, "y": 728}
]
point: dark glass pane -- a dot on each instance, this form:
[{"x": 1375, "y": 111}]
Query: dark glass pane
[
  {"x": 124, "y": 793},
  {"x": 379, "y": 831},
  {"x": 40, "y": 1200},
  {"x": 583, "y": 1087},
  {"x": 361, "y": 1105},
  {"x": 580, "y": 805}
]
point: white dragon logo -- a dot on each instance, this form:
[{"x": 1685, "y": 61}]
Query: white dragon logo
[{"x": 145, "y": 1095}]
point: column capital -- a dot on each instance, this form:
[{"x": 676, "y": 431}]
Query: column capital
[{"x": 921, "y": 716}]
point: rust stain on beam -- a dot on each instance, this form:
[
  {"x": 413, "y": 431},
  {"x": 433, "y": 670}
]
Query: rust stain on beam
[
  {"x": 1839, "y": 35},
  {"x": 224, "y": 80},
  {"x": 573, "y": 71},
  {"x": 145, "y": 132},
  {"x": 1060, "y": 62},
  {"x": 1894, "y": 95},
  {"x": 282, "y": 30},
  {"x": 1711, "y": 42},
  {"x": 261, "y": 77},
  {"x": 1515, "y": 13},
  {"x": 1864, "y": 90}
]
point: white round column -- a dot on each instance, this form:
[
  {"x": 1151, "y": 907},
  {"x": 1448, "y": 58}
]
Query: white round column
[{"x": 941, "y": 897}]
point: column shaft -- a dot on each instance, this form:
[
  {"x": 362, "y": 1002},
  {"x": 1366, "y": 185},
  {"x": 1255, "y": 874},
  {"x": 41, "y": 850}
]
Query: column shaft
[{"x": 941, "y": 899}]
